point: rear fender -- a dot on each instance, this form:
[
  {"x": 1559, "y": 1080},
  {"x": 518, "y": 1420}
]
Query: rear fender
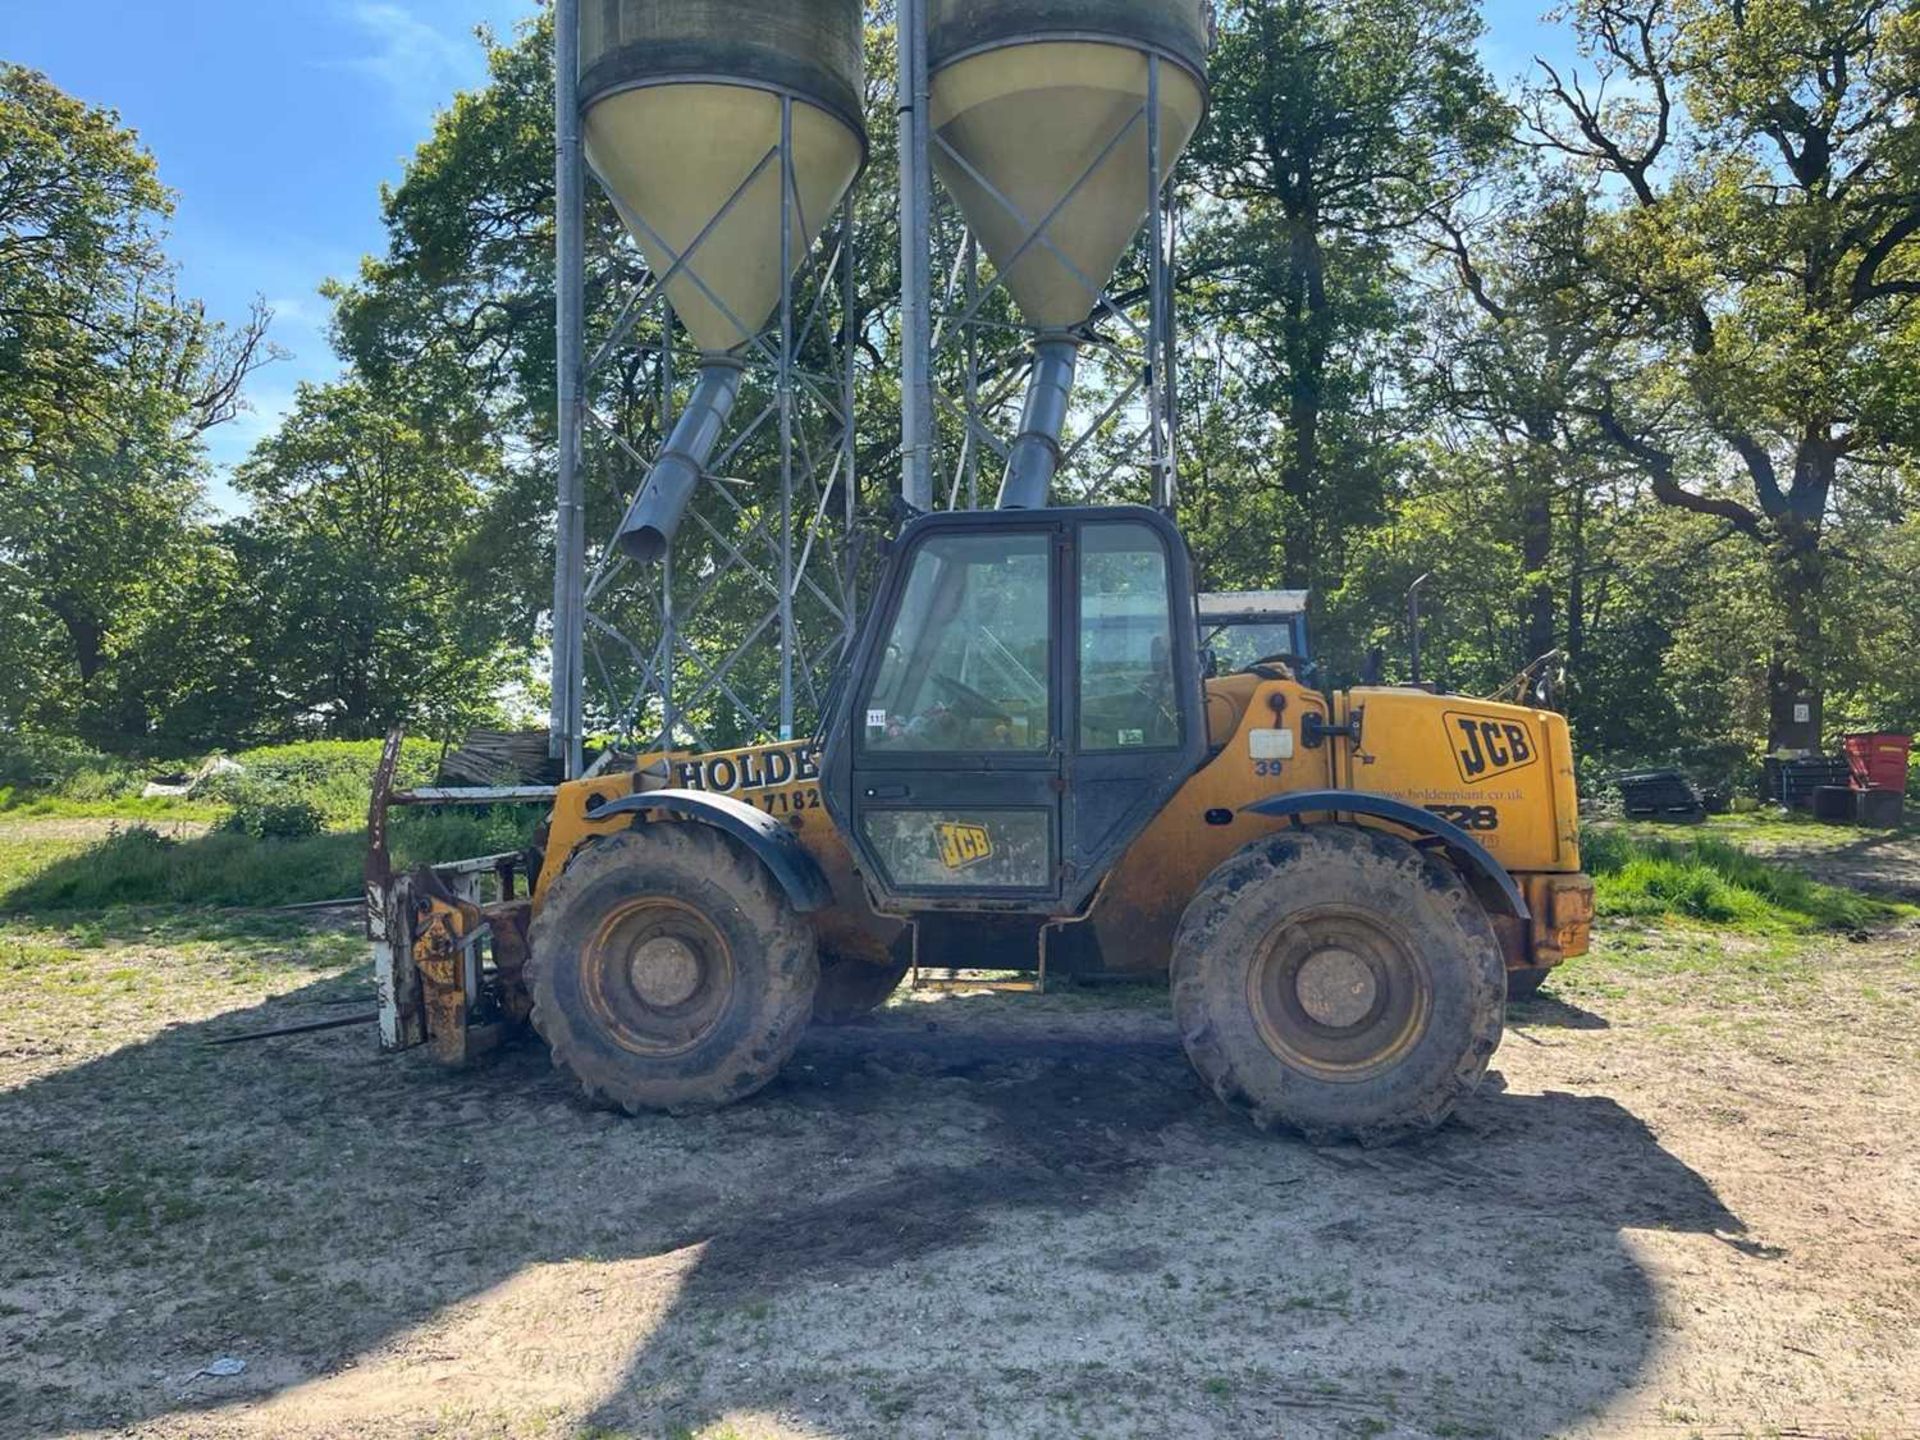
[
  {"x": 1467, "y": 853},
  {"x": 772, "y": 843}
]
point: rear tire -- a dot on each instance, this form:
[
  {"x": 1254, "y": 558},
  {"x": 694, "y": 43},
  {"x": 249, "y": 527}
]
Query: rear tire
[
  {"x": 1340, "y": 982},
  {"x": 669, "y": 972}
]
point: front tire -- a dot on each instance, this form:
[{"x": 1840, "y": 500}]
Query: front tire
[
  {"x": 669, "y": 972},
  {"x": 1340, "y": 982}
]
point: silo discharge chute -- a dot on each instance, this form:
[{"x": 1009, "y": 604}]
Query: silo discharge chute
[
  {"x": 1040, "y": 112},
  {"x": 694, "y": 111}
]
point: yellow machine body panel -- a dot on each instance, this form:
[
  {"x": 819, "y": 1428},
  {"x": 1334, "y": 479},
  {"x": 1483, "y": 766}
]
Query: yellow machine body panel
[
  {"x": 1503, "y": 773},
  {"x": 1523, "y": 812},
  {"x": 783, "y": 780}
]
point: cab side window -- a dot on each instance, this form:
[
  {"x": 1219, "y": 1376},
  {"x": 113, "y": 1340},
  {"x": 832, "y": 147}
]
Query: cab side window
[
  {"x": 1127, "y": 695},
  {"x": 967, "y": 664}
]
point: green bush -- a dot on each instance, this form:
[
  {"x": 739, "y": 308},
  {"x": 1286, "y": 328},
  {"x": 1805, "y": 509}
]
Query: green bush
[
  {"x": 54, "y": 765},
  {"x": 334, "y": 776},
  {"x": 274, "y": 814}
]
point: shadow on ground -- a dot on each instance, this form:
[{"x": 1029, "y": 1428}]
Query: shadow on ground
[
  {"x": 1549, "y": 1009},
  {"x": 1882, "y": 863},
  {"x": 994, "y": 1222}
]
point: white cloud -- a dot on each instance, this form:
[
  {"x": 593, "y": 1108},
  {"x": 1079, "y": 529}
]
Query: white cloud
[
  {"x": 308, "y": 313},
  {"x": 419, "y": 62}
]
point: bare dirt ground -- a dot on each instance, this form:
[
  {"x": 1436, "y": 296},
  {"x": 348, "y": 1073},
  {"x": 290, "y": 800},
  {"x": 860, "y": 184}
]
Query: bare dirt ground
[
  {"x": 39, "y": 831},
  {"x": 1690, "y": 1204}
]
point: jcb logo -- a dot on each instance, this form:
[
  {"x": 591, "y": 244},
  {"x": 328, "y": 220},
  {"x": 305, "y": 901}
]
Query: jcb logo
[
  {"x": 1484, "y": 748},
  {"x": 963, "y": 845}
]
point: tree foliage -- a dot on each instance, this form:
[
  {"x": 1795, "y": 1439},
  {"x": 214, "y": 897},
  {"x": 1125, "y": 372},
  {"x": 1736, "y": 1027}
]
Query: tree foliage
[
  {"x": 1333, "y": 129},
  {"x": 108, "y": 381},
  {"x": 1751, "y": 268},
  {"x": 369, "y": 578},
  {"x": 1624, "y": 362}
]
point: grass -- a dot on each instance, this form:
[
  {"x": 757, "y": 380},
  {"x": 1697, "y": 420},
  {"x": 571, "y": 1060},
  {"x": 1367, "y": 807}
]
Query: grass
[
  {"x": 42, "y": 777},
  {"x": 1712, "y": 881},
  {"x": 146, "y": 862},
  {"x": 139, "y": 866},
  {"x": 1771, "y": 826}
]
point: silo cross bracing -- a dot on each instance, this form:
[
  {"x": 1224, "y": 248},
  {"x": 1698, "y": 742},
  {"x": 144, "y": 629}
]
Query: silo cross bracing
[
  {"x": 1039, "y": 112},
  {"x": 693, "y": 110}
]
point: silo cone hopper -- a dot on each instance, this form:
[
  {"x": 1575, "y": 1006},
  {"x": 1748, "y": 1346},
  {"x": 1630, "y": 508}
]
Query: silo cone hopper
[
  {"x": 686, "y": 105},
  {"x": 1039, "y": 111}
]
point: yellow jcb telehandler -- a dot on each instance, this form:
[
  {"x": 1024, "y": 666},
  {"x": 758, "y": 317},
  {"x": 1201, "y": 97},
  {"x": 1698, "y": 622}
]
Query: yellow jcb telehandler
[{"x": 1023, "y": 768}]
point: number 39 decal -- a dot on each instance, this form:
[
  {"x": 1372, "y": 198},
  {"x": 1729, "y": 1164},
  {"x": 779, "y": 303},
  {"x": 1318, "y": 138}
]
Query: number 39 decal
[{"x": 1468, "y": 817}]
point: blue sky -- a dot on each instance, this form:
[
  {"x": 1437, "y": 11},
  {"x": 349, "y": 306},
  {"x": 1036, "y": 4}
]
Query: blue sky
[{"x": 275, "y": 122}]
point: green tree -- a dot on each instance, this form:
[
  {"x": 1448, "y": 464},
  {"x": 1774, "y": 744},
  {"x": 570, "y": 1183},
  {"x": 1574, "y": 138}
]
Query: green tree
[
  {"x": 367, "y": 574},
  {"x": 1757, "y": 260},
  {"x": 108, "y": 381},
  {"x": 186, "y": 677},
  {"x": 1511, "y": 353},
  {"x": 1334, "y": 127}
]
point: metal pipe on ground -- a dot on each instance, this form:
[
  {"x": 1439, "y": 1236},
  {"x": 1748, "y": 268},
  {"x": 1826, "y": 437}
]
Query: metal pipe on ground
[
  {"x": 650, "y": 526},
  {"x": 1035, "y": 456}
]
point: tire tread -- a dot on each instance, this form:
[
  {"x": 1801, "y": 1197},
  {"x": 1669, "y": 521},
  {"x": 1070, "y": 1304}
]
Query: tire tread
[
  {"x": 1197, "y": 956},
  {"x": 793, "y": 968}
]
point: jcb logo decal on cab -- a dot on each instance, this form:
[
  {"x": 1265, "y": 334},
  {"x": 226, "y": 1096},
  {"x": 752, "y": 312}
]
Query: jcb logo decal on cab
[
  {"x": 963, "y": 845},
  {"x": 1483, "y": 748}
]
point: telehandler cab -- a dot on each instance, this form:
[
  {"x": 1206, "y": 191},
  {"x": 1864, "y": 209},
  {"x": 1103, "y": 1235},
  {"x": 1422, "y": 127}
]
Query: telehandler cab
[{"x": 1023, "y": 769}]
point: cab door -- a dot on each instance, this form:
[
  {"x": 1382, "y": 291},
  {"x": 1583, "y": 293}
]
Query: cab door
[
  {"x": 1023, "y": 700},
  {"x": 956, "y": 770},
  {"x": 1135, "y": 728}
]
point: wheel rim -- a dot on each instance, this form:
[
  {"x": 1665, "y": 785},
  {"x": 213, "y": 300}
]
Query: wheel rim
[
  {"x": 1339, "y": 992},
  {"x": 657, "y": 976}
]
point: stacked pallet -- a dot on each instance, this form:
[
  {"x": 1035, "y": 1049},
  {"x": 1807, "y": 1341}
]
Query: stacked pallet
[
  {"x": 1662, "y": 795},
  {"x": 497, "y": 759}
]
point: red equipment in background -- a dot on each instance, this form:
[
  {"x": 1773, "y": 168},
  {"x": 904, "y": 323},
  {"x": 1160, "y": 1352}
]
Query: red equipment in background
[{"x": 1879, "y": 762}]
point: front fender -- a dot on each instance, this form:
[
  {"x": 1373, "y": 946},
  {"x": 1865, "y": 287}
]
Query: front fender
[
  {"x": 1468, "y": 853},
  {"x": 772, "y": 843}
]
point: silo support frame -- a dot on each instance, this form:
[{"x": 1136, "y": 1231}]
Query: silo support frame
[
  {"x": 1148, "y": 347},
  {"x": 568, "y": 734},
  {"x": 653, "y": 682},
  {"x": 917, "y": 391}
]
